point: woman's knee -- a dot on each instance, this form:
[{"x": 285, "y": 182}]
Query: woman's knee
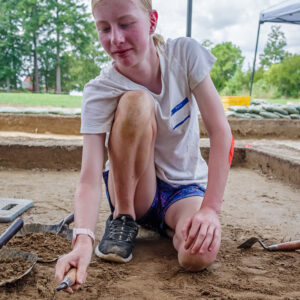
[
  {"x": 197, "y": 261},
  {"x": 135, "y": 108}
]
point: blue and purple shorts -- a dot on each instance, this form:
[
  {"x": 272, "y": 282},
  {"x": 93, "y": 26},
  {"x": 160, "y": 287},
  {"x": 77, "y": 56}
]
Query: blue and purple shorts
[{"x": 165, "y": 196}]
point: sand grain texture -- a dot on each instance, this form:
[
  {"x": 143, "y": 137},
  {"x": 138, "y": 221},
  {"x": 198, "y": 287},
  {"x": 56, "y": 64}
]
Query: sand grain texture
[
  {"x": 254, "y": 205},
  {"x": 46, "y": 245}
]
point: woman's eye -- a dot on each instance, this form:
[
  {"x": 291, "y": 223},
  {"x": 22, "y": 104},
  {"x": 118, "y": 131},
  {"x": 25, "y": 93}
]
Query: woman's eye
[
  {"x": 125, "y": 25},
  {"x": 105, "y": 29}
]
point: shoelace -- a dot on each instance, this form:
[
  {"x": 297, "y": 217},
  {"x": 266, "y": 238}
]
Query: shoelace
[{"x": 121, "y": 230}]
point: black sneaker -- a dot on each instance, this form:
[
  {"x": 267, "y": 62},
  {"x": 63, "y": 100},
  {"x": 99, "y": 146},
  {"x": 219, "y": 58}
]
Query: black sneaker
[{"x": 118, "y": 240}]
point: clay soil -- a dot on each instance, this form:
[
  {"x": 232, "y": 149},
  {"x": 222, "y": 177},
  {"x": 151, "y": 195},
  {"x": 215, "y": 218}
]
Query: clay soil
[
  {"x": 254, "y": 205},
  {"x": 11, "y": 268},
  {"x": 48, "y": 246}
]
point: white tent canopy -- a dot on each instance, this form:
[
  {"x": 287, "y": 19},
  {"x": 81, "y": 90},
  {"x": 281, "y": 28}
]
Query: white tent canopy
[{"x": 285, "y": 12}]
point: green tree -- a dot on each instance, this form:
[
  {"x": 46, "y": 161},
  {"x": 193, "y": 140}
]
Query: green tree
[
  {"x": 47, "y": 60},
  {"x": 274, "y": 49},
  {"x": 11, "y": 44},
  {"x": 286, "y": 76},
  {"x": 69, "y": 30},
  {"x": 229, "y": 60},
  {"x": 207, "y": 44},
  {"x": 238, "y": 84},
  {"x": 34, "y": 14},
  {"x": 85, "y": 66},
  {"x": 53, "y": 40}
]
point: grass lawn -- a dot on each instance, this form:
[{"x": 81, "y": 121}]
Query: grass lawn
[
  {"x": 30, "y": 99},
  {"x": 283, "y": 101}
]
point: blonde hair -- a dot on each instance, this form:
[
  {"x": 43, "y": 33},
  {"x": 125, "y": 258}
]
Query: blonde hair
[{"x": 147, "y": 6}]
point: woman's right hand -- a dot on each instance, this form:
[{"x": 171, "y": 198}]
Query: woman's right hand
[{"x": 78, "y": 258}]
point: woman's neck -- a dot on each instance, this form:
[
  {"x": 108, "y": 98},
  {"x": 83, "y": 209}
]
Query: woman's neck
[{"x": 147, "y": 73}]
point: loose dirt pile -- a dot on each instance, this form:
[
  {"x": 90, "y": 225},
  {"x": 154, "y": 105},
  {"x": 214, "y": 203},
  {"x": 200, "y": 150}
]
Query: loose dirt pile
[
  {"x": 48, "y": 246},
  {"x": 11, "y": 268},
  {"x": 254, "y": 205}
]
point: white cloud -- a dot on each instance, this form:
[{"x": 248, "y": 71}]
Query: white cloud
[{"x": 224, "y": 20}]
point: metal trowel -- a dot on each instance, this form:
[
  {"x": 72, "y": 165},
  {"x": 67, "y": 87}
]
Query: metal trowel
[
  {"x": 288, "y": 246},
  {"x": 61, "y": 229},
  {"x": 6, "y": 253}
]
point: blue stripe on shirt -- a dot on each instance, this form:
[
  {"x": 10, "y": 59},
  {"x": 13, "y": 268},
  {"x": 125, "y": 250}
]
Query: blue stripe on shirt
[
  {"x": 181, "y": 122},
  {"x": 179, "y": 106}
]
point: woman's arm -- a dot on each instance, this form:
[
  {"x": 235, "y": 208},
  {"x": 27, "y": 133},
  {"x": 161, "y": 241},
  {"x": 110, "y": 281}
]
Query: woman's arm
[
  {"x": 86, "y": 207},
  {"x": 220, "y": 137},
  {"x": 203, "y": 232},
  {"x": 88, "y": 192}
]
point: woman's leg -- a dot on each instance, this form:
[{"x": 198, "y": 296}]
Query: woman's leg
[
  {"x": 176, "y": 217},
  {"x": 132, "y": 179}
]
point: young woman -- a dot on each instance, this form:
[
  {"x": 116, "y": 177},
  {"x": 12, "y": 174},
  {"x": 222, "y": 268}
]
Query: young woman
[{"x": 148, "y": 101}]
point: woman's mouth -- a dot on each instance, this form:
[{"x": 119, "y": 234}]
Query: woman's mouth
[{"x": 122, "y": 52}]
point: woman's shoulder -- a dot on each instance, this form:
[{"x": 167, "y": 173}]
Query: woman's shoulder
[
  {"x": 180, "y": 42},
  {"x": 104, "y": 74},
  {"x": 184, "y": 47},
  {"x": 104, "y": 81}
]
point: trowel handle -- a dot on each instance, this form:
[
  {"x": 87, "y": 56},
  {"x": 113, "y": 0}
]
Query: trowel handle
[
  {"x": 288, "y": 246},
  {"x": 11, "y": 231},
  {"x": 69, "y": 279},
  {"x": 69, "y": 219}
]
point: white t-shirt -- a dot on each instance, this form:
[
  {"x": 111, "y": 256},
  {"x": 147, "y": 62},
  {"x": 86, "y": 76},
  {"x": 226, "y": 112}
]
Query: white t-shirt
[{"x": 184, "y": 64}]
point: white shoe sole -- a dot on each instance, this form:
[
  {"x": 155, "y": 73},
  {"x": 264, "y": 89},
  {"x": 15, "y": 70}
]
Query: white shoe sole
[{"x": 112, "y": 256}]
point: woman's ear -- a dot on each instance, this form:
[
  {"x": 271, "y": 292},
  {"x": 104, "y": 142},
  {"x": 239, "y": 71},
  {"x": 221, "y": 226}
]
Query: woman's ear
[{"x": 153, "y": 21}]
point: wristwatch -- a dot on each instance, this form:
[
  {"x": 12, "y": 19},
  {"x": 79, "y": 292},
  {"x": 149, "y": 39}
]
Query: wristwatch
[{"x": 86, "y": 231}]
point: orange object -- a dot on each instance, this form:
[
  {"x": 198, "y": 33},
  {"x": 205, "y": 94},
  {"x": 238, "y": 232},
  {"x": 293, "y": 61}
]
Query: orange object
[
  {"x": 231, "y": 151},
  {"x": 69, "y": 279}
]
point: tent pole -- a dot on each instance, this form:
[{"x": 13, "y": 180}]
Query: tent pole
[
  {"x": 253, "y": 70},
  {"x": 189, "y": 18}
]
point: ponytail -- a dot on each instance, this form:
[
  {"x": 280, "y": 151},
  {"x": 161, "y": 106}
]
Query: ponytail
[{"x": 158, "y": 40}]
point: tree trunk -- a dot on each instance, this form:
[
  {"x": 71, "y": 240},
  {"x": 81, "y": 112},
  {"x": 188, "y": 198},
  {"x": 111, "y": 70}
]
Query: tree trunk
[
  {"x": 58, "y": 70},
  {"x": 58, "y": 73},
  {"x": 7, "y": 84},
  {"x": 14, "y": 80},
  {"x": 36, "y": 67},
  {"x": 13, "y": 62},
  {"x": 46, "y": 80}
]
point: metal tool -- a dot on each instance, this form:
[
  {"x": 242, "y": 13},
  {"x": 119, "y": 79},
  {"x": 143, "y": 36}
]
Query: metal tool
[
  {"x": 10, "y": 253},
  {"x": 288, "y": 246},
  {"x": 66, "y": 221},
  {"x": 11, "y": 231},
  {"x": 61, "y": 229},
  {"x": 69, "y": 280}
]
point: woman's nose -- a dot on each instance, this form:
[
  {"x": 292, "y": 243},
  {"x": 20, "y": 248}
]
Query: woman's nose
[{"x": 117, "y": 36}]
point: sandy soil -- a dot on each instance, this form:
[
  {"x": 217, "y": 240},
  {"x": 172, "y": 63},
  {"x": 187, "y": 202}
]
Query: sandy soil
[
  {"x": 254, "y": 205},
  {"x": 46, "y": 245}
]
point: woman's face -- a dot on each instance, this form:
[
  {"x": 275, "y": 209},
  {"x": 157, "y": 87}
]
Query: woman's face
[{"x": 123, "y": 30}]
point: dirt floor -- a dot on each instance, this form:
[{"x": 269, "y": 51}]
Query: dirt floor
[{"x": 254, "y": 205}]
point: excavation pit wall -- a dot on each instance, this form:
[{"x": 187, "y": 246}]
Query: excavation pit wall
[
  {"x": 70, "y": 125},
  {"x": 277, "y": 159},
  {"x": 54, "y": 142}
]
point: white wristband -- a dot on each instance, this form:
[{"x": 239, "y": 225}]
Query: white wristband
[{"x": 86, "y": 231}]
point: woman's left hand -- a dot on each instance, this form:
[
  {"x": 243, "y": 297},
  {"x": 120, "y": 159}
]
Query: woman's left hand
[{"x": 202, "y": 232}]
